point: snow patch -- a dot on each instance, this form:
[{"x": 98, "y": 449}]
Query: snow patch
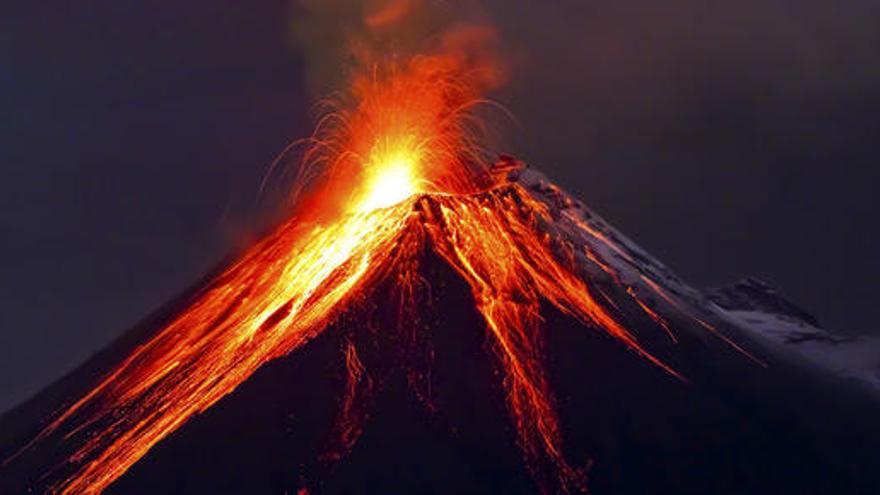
[{"x": 850, "y": 357}]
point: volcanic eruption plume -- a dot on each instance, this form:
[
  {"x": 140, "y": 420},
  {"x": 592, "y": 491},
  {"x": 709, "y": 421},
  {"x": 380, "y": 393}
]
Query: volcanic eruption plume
[{"x": 397, "y": 169}]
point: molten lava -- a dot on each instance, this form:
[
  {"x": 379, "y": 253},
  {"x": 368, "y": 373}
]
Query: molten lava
[{"x": 397, "y": 173}]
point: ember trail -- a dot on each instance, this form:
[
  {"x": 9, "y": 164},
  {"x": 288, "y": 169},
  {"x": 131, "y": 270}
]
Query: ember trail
[{"x": 395, "y": 172}]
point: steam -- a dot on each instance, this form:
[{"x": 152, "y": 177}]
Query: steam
[{"x": 339, "y": 39}]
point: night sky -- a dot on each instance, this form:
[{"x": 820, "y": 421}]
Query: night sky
[{"x": 727, "y": 138}]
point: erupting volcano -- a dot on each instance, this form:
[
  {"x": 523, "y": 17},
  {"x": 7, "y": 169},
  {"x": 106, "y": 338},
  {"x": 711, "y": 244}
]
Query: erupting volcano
[
  {"x": 394, "y": 177},
  {"x": 404, "y": 176}
]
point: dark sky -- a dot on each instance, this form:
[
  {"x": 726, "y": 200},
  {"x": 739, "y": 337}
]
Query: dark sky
[{"x": 728, "y": 138}]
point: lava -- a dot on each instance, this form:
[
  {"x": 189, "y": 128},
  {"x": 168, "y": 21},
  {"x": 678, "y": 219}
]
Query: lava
[{"x": 393, "y": 172}]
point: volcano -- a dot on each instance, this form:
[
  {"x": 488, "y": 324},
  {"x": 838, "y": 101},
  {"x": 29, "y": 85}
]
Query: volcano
[
  {"x": 428, "y": 319},
  {"x": 410, "y": 389}
]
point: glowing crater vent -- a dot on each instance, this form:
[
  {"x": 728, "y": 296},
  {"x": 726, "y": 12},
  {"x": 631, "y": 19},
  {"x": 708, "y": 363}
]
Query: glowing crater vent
[{"x": 391, "y": 178}]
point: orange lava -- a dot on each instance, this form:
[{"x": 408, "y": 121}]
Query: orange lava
[{"x": 399, "y": 173}]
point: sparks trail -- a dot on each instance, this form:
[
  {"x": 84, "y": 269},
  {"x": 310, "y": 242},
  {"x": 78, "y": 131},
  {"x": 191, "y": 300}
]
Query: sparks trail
[{"x": 401, "y": 172}]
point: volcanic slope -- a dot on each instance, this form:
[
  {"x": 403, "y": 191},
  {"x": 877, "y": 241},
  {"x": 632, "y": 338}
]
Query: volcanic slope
[{"x": 408, "y": 391}]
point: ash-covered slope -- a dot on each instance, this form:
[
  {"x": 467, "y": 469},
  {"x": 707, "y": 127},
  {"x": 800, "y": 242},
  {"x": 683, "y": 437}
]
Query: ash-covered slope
[{"x": 736, "y": 426}]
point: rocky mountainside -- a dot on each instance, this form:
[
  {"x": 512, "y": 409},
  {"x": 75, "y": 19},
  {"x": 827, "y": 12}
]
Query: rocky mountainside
[{"x": 760, "y": 407}]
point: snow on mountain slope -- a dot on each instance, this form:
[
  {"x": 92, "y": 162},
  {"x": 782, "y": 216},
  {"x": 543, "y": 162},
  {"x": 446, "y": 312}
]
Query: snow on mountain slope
[
  {"x": 756, "y": 307},
  {"x": 752, "y": 307}
]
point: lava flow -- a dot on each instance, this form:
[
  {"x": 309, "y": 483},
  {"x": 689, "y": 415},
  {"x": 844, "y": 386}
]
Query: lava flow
[{"x": 398, "y": 173}]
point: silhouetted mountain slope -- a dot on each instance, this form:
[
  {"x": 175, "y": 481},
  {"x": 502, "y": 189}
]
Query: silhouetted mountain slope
[{"x": 735, "y": 427}]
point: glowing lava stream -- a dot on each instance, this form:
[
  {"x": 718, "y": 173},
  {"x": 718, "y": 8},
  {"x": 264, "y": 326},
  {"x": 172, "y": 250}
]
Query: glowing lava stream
[
  {"x": 288, "y": 288},
  {"x": 402, "y": 170},
  {"x": 281, "y": 293}
]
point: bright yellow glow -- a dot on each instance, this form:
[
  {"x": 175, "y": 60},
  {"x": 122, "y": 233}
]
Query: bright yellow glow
[{"x": 390, "y": 183}]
